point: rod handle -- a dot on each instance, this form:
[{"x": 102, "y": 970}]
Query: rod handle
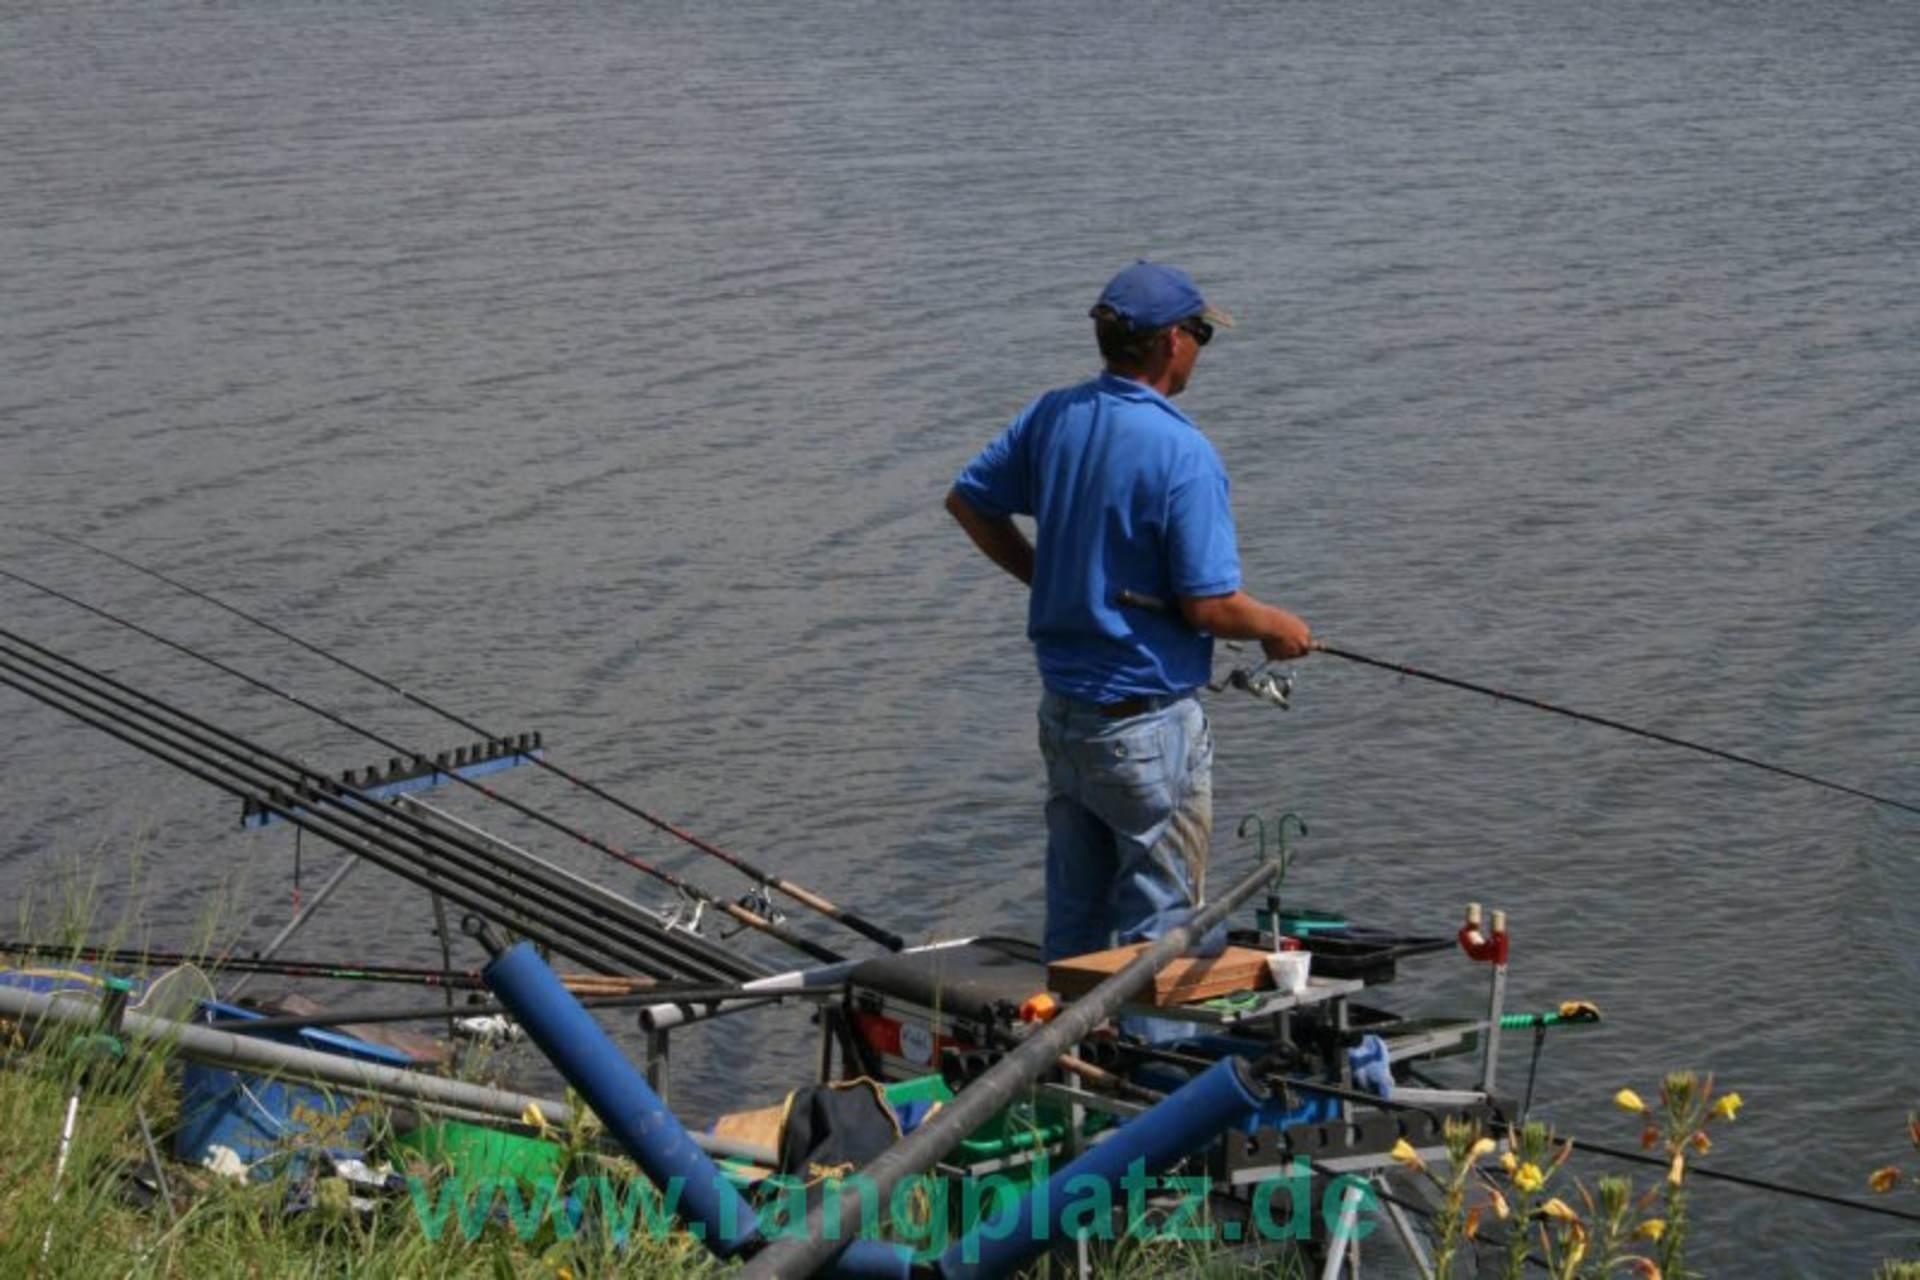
[{"x": 814, "y": 902}]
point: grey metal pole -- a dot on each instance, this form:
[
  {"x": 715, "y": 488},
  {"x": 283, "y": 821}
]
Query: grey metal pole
[
  {"x": 625, "y": 906},
  {"x": 803, "y": 1254},
  {"x": 300, "y": 918},
  {"x": 36, "y": 1011}
]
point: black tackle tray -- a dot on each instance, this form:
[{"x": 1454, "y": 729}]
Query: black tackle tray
[{"x": 1356, "y": 951}]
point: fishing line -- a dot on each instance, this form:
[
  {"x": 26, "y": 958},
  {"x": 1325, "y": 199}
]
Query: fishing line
[
  {"x": 1623, "y": 727},
  {"x": 806, "y": 897}
]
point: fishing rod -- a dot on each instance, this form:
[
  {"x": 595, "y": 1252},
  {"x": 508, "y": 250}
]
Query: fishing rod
[
  {"x": 577, "y": 927},
  {"x": 805, "y": 897},
  {"x": 135, "y": 958},
  {"x": 1623, "y": 727},
  {"x": 302, "y": 781},
  {"x": 1115, "y": 1050},
  {"x": 1743, "y": 1180},
  {"x": 737, "y": 911},
  {"x": 482, "y": 1009},
  {"x": 1155, "y": 604},
  {"x": 450, "y": 867}
]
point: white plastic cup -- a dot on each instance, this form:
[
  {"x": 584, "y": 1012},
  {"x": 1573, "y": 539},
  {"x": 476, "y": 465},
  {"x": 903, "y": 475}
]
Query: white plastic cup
[{"x": 1289, "y": 970}]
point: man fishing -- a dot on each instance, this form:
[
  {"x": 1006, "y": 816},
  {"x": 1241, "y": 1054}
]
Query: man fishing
[{"x": 1129, "y": 500}]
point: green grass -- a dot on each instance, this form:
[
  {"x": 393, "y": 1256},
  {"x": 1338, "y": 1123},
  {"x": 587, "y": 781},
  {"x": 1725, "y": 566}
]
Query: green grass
[{"x": 218, "y": 1227}]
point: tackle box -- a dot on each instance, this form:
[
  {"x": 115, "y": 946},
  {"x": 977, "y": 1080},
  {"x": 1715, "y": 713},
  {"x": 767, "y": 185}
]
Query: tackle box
[{"x": 906, "y": 1010}]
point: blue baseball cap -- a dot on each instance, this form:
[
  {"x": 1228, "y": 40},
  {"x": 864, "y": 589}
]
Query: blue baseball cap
[{"x": 1148, "y": 295}]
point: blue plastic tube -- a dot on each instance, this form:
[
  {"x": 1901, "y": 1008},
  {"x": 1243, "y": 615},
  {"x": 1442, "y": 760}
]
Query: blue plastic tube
[
  {"x": 639, "y": 1120},
  {"x": 1180, "y": 1124},
  {"x": 633, "y": 1113}
]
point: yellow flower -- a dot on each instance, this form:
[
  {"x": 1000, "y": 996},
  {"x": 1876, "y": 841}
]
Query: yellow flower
[
  {"x": 1702, "y": 1143},
  {"x": 1529, "y": 1178},
  {"x": 1652, "y": 1229},
  {"x": 532, "y": 1115},
  {"x": 1727, "y": 1106},
  {"x": 1404, "y": 1153},
  {"x": 1509, "y": 1161},
  {"x": 1678, "y": 1169},
  {"x": 1499, "y": 1203},
  {"x": 1484, "y": 1147},
  {"x": 1884, "y": 1179},
  {"x": 1628, "y": 1100},
  {"x": 1559, "y": 1210}
]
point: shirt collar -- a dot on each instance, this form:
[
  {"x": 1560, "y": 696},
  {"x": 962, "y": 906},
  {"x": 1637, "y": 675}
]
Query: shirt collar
[{"x": 1127, "y": 389}]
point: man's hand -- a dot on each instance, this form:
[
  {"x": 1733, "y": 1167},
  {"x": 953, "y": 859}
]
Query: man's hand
[
  {"x": 1239, "y": 616},
  {"x": 1294, "y": 640}
]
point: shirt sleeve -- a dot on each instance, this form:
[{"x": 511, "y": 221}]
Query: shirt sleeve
[
  {"x": 1203, "y": 554},
  {"x": 997, "y": 480}
]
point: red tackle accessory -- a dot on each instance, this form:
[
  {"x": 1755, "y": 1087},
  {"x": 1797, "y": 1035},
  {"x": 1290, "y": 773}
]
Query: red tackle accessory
[{"x": 1480, "y": 945}]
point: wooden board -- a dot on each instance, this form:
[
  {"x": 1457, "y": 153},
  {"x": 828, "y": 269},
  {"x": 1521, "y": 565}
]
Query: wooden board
[{"x": 1182, "y": 982}]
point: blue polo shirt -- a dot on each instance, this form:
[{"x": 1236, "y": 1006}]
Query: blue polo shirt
[{"x": 1127, "y": 495}]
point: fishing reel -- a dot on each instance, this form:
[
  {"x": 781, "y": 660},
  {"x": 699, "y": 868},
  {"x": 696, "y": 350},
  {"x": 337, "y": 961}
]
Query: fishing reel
[
  {"x": 758, "y": 900},
  {"x": 1275, "y": 687}
]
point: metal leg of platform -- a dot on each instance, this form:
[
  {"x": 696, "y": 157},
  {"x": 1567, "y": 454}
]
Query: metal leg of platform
[
  {"x": 446, "y": 958},
  {"x": 659, "y": 1062},
  {"x": 1496, "y": 1005},
  {"x": 293, "y": 926},
  {"x": 1342, "y": 1248},
  {"x": 1409, "y": 1238},
  {"x": 1074, "y": 1140}
]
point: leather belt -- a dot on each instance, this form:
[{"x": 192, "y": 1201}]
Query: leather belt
[{"x": 1136, "y": 706}]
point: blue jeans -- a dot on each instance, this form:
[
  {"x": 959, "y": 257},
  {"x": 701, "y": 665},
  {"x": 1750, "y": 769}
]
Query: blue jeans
[{"x": 1129, "y": 821}]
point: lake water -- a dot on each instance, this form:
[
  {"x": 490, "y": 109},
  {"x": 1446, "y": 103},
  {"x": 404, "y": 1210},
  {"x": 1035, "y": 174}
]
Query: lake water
[{"x": 600, "y": 369}]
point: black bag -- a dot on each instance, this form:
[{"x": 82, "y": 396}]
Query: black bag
[{"x": 833, "y": 1129}]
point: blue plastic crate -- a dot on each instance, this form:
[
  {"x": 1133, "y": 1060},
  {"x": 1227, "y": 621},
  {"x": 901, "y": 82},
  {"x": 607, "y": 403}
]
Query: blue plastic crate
[{"x": 270, "y": 1124}]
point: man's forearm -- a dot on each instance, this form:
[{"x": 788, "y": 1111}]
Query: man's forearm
[
  {"x": 998, "y": 537},
  {"x": 1239, "y": 616}
]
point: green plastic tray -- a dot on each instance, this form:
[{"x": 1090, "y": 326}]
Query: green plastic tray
[{"x": 474, "y": 1151}]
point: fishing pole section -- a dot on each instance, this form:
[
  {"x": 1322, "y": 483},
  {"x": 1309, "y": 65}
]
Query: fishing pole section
[
  {"x": 808, "y": 898},
  {"x": 597, "y": 929},
  {"x": 746, "y": 915}
]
